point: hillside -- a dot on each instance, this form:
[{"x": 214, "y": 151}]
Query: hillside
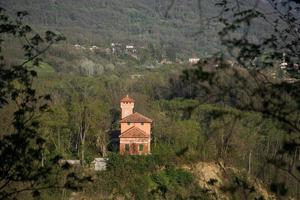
[
  {"x": 219, "y": 180},
  {"x": 213, "y": 179},
  {"x": 181, "y": 26},
  {"x": 216, "y": 129}
]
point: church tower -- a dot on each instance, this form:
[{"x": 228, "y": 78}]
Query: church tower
[{"x": 127, "y": 105}]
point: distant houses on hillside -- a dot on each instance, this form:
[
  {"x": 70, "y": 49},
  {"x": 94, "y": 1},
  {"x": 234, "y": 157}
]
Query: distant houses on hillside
[
  {"x": 118, "y": 48},
  {"x": 123, "y": 48},
  {"x": 81, "y": 47},
  {"x": 130, "y": 49},
  {"x": 115, "y": 48}
]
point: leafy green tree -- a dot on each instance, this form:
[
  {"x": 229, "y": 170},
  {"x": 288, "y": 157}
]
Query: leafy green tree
[
  {"x": 22, "y": 166},
  {"x": 251, "y": 89}
]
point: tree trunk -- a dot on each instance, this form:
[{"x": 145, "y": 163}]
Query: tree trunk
[
  {"x": 82, "y": 151},
  {"x": 83, "y": 130},
  {"x": 249, "y": 162}
]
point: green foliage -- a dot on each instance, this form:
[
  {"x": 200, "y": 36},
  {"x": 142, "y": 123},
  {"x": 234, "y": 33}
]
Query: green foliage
[
  {"x": 210, "y": 112},
  {"x": 146, "y": 178},
  {"x": 185, "y": 132},
  {"x": 42, "y": 68},
  {"x": 21, "y": 150},
  {"x": 28, "y": 166}
]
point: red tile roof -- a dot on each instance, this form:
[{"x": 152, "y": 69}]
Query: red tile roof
[
  {"x": 127, "y": 99},
  {"x": 134, "y": 132},
  {"x": 137, "y": 118}
]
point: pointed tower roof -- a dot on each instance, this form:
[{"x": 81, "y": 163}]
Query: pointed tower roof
[{"x": 127, "y": 99}]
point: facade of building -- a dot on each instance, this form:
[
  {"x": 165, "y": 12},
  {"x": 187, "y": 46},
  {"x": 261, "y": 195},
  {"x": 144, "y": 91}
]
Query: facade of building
[{"x": 135, "y": 136}]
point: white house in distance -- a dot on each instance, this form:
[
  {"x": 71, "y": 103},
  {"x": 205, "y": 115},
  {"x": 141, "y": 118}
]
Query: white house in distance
[
  {"x": 130, "y": 48},
  {"x": 194, "y": 60}
]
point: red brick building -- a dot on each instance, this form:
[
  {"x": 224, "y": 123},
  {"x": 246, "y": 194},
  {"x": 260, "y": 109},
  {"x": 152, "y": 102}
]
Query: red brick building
[{"x": 135, "y": 134}]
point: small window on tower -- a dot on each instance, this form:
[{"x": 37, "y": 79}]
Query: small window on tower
[
  {"x": 142, "y": 123},
  {"x": 126, "y": 147},
  {"x": 128, "y": 123}
]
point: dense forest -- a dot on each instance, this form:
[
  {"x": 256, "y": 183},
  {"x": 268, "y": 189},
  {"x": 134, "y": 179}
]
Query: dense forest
[{"x": 225, "y": 128}]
